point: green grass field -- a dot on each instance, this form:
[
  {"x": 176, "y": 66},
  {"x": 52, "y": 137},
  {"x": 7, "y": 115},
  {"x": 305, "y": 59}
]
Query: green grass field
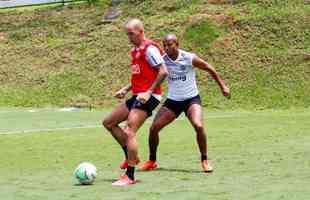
[
  {"x": 61, "y": 56},
  {"x": 256, "y": 155}
]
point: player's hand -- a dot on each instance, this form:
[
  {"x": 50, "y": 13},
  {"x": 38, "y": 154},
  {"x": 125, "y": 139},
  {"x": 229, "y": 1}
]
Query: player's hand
[
  {"x": 144, "y": 96},
  {"x": 121, "y": 93},
  {"x": 226, "y": 92}
]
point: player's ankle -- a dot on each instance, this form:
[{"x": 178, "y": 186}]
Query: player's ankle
[
  {"x": 152, "y": 158},
  {"x": 131, "y": 172},
  {"x": 204, "y": 157}
]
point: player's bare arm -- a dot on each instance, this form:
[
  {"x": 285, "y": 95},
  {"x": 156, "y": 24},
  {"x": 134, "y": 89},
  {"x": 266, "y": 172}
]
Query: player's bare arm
[
  {"x": 201, "y": 64},
  {"x": 122, "y": 92},
  {"x": 162, "y": 74}
]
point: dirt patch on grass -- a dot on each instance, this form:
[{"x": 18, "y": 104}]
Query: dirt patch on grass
[
  {"x": 223, "y": 42},
  {"x": 3, "y": 36},
  {"x": 218, "y": 18},
  {"x": 221, "y": 1}
]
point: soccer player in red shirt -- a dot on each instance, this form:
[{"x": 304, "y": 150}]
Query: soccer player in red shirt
[{"x": 147, "y": 73}]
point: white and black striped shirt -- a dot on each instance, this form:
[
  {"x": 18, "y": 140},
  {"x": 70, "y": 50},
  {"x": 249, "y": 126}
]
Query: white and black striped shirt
[{"x": 182, "y": 77}]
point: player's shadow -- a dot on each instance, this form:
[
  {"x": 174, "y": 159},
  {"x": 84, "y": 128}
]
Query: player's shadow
[
  {"x": 192, "y": 171},
  {"x": 110, "y": 180},
  {"x": 82, "y": 185},
  {"x": 97, "y": 181}
]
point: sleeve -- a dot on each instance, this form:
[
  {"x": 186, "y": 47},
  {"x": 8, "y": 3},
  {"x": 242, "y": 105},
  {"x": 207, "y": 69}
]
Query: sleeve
[{"x": 153, "y": 56}]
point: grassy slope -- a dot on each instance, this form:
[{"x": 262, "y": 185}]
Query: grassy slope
[
  {"x": 256, "y": 155},
  {"x": 60, "y": 56}
]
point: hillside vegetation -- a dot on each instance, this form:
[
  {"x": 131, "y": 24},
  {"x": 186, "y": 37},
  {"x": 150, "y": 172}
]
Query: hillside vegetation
[{"x": 60, "y": 56}]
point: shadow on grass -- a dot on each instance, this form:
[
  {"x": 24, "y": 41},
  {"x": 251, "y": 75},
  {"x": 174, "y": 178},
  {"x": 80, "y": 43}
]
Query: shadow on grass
[
  {"x": 96, "y": 181},
  {"x": 82, "y": 185},
  {"x": 178, "y": 170},
  {"x": 160, "y": 169}
]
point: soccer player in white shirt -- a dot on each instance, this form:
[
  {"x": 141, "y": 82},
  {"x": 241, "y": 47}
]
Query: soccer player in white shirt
[{"x": 183, "y": 96}]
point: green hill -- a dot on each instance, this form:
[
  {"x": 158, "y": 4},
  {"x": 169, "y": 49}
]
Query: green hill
[{"x": 61, "y": 56}]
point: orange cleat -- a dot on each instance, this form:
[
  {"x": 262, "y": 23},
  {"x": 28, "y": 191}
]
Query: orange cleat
[
  {"x": 206, "y": 166},
  {"x": 124, "y": 164},
  {"x": 149, "y": 165},
  {"x": 123, "y": 181}
]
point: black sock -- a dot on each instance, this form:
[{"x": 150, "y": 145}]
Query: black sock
[
  {"x": 131, "y": 172},
  {"x": 125, "y": 151},
  {"x": 152, "y": 157},
  {"x": 204, "y": 157}
]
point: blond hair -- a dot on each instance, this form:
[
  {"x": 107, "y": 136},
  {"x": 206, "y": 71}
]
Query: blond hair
[{"x": 134, "y": 23}]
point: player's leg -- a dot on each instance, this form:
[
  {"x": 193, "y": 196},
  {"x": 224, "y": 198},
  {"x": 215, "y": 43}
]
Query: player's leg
[
  {"x": 137, "y": 115},
  {"x": 163, "y": 117},
  {"x": 112, "y": 121},
  {"x": 195, "y": 115},
  {"x": 135, "y": 119}
]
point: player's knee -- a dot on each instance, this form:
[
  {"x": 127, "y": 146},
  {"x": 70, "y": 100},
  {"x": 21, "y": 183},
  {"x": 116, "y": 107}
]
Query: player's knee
[
  {"x": 130, "y": 133},
  {"x": 198, "y": 126},
  {"x": 155, "y": 128},
  {"x": 107, "y": 124}
]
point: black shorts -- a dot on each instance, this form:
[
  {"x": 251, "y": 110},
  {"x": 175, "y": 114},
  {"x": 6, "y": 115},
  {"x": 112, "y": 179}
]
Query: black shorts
[
  {"x": 181, "y": 106},
  {"x": 148, "y": 106}
]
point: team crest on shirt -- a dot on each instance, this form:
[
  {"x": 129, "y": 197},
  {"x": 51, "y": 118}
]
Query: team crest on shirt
[
  {"x": 135, "y": 69},
  {"x": 183, "y": 67}
]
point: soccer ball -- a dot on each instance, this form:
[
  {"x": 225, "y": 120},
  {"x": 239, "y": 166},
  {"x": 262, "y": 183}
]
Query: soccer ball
[{"x": 85, "y": 173}]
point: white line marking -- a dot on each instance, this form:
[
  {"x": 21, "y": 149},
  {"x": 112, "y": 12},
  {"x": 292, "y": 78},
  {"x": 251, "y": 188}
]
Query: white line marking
[
  {"x": 48, "y": 129},
  {"x": 181, "y": 118}
]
